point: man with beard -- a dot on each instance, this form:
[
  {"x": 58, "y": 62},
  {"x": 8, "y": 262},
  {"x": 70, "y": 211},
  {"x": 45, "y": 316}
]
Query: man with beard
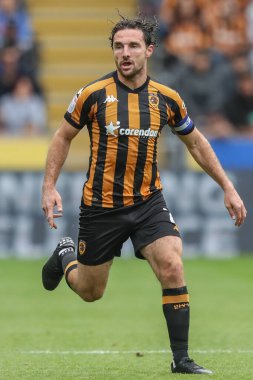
[{"x": 125, "y": 112}]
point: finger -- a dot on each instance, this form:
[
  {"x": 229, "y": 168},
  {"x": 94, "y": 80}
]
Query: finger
[
  {"x": 51, "y": 222},
  {"x": 50, "y": 217},
  {"x": 58, "y": 203},
  {"x": 238, "y": 222},
  {"x": 231, "y": 212},
  {"x": 58, "y": 215},
  {"x": 235, "y": 215},
  {"x": 239, "y": 218},
  {"x": 243, "y": 214},
  {"x": 44, "y": 210},
  {"x": 244, "y": 211}
]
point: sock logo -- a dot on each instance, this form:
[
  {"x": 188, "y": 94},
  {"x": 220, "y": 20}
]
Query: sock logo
[
  {"x": 182, "y": 305},
  {"x": 82, "y": 247}
]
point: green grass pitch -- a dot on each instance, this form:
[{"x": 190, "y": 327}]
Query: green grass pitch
[{"x": 54, "y": 335}]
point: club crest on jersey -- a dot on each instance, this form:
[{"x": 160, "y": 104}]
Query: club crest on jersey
[
  {"x": 82, "y": 247},
  {"x": 153, "y": 100}
]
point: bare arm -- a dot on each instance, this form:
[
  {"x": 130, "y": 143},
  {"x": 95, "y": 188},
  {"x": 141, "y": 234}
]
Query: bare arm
[
  {"x": 57, "y": 154},
  {"x": 204, "y": 155}
]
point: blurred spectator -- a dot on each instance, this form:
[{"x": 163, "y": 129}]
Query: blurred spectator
[
  {"x": 216, "y": 125},
  {"x": 197, "y": 24},
  {"x": 206, "y": 86},
  {"x": 150, "y": 7},
  {"x": 241, "y": 62},
  {"x": 9, "y": 69},
  {"x": 205, "y": 49},
  {"x": 15, "y": 26},
  {"x": 170, "y": 70},
  {"x": 16, "y": 33},
  {"x": 249, "y": 15},
  {"x": 239, "y": 109},
  {"x": 185, "y": 32},
  {"x": 23, "y": 111},
  {"x": 226, "y": 22}
]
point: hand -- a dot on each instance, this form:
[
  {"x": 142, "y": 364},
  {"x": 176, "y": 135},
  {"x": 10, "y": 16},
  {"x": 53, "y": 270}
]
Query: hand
[
  {"x": 50, "y": 199},
  {"x": 235, "y": 206}
]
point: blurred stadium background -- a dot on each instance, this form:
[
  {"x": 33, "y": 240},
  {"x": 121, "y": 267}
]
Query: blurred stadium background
[
  {"x": 50, "y": 49},
  {"x": 66, "y": 46}
]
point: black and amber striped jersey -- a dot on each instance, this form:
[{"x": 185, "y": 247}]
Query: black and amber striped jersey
[{"x": 124, "y": 126}]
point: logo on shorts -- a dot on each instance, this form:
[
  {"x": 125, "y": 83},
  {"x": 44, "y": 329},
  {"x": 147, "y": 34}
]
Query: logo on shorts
[
  {"x": 82, "y": 247},
  {"x": 175, "y": 228}
]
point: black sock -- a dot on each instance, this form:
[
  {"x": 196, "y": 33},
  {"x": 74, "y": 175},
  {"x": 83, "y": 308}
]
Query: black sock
[
  {"x": 177, "y": 314},
  {"x": 69, "y": 263}
]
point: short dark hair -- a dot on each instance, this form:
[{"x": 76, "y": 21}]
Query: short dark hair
[{"x": 148, "y": 26}]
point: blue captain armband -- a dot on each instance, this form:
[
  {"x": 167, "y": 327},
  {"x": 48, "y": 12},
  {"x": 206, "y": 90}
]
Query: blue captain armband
[{"x": 184, "y": 127}]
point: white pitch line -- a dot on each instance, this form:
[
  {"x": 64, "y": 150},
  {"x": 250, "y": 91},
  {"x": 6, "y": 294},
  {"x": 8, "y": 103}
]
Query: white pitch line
[{"x": 129, "y": 352}]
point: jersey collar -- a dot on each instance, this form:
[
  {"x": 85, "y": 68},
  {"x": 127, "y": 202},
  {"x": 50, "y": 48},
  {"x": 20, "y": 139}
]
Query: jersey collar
[{"x": 136, "y": 90}]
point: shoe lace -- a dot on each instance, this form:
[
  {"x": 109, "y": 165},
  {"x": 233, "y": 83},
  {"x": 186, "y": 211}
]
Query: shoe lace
[
  {"x": 188, "y": 360},
  {"x": 191, "y": 363}
]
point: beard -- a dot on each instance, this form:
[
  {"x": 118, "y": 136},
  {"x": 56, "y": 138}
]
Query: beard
[{"x": 131, "y": 74}]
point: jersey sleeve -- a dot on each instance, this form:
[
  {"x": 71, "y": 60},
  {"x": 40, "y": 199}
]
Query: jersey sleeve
[
  {"x": 79, "y": 111},
  {"x": 178, "y": 119}
]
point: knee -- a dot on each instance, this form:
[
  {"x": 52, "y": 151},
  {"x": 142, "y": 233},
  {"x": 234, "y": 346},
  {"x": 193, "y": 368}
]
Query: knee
[
  {"x": 90, "y": 295},
  {"x": 171, "y": 271}
]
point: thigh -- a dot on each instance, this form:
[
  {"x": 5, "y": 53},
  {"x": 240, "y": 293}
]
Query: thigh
[
  {"x": 153, "y": 221},
  {"x": 93, "y": 278}
]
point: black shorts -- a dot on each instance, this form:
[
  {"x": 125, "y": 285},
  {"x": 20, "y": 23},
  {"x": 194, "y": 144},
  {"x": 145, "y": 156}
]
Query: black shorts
[{"x": 103, "y": 232}]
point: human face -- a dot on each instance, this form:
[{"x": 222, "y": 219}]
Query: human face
[{"x": 131, "y": 54}]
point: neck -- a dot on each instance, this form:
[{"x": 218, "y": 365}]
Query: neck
[{"x": 135, "y": 82}]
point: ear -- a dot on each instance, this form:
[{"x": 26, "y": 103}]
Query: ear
[{"x": 149, "y": 50}]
